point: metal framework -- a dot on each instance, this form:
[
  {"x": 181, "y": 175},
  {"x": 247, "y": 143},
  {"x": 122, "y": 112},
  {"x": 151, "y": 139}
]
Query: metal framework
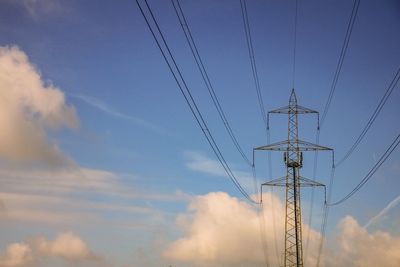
[{"x": 293, "y": 156}]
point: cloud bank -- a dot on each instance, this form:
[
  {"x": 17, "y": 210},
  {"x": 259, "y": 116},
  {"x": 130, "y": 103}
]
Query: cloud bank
[
  {"x": 223, "y": 231},
  {"x": 28, "y": 108},
  {"x": 220, "y": 230},
  {"x": 68, "y": 247}
]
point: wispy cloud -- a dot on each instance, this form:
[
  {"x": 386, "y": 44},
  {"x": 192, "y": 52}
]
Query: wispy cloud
[
  {"x": 101, "y": 105},
  {"x": 383, "y": 212},
  {"x": 65, "y": 197},
  {"x": 37, "y": 9},
  {"x": 65, "y": 210},
  {"x": 199, "y": 162}
]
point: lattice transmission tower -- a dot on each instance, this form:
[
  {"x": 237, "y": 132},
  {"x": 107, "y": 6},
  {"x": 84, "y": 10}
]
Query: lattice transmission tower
[{"x": 293, "y": 157}]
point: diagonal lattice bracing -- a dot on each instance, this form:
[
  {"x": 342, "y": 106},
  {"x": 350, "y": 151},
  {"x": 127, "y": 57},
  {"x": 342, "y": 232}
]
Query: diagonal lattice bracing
[{"x": 293, "y": 149}]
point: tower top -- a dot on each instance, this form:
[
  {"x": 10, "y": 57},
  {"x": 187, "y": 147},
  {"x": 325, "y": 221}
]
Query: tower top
[{"x": 293, "y": 98}]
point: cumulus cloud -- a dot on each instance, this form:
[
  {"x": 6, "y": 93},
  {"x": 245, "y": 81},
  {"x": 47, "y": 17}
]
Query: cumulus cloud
[
  {"x": 17, "y": 254},
  {"x": 68, "y": 247},
  {"x": 28, "y": 108},
  {"x": 214, "y": 235},
  {"x": 220, "y": 230},
  {"x": 359, "y": 248}
]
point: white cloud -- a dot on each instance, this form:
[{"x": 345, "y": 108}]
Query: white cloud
[
  {"x": 17, "y": 254},
  {"x": 220, "y": 230},
  {"x": 359, "y": 248},
  {"x": 68, "y": 247},
  {"x": 199, "y": 162},
  {"x": 28, "y": 107}
]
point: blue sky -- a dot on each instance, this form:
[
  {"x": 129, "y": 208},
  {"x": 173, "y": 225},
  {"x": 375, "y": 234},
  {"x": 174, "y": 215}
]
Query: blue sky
[{"x": 140, "y": 147}]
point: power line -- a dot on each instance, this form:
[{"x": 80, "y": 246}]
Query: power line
[
  {"x": 374, "y": 115},
  {"x": 312, "y": 195},
  {"x": 260, "y": 213},
  {"x": 325, "y": 215},
  {"x": 261, "y": 218},
  {"x": 327, "y": 205},
  {"x": 294, "y": 45},
  {"x": 263, "y": 113},
  {"x": 339, "y": 65},
  {"x": 250, "y": 48},
  {"x": 383, "y": 158},
  {"x": 184, "y": 89},
  {"x": 377, "y": 165},
  {"x": 263, "y": 233},
  {"x": 272, "y": 197},
  {"x": 343, "y": 51},
  {"x": 200, "y": 65}
]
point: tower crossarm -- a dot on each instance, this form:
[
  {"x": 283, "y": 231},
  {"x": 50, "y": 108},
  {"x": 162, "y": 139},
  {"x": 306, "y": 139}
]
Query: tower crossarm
[
  {"x": 293, "y": 149},
  {"x": 299, "y": 145},
  {"x": 296, "y": 110},
  {"x": 293, "y": 109},
  {"x": 303, "y": 182}
]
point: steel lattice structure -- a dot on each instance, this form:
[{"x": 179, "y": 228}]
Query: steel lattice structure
[{"x": 293, "y": 156}]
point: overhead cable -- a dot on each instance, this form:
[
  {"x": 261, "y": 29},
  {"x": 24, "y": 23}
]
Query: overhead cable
[
  {"x": 312, "y": 195},
  {"x": 252, "y": 57},
  {"x": 374, "y": 115},
  {"x": 200, "y": 65},
  {"x": 339, "y": 65},
  {"x": 261, "y": 219},
  {"x": 269, "y": 159},
  {"x": 250, "y": 48},
  {"x": 184, "y": 89},
  {"x": 343, "y": 51},
  {"x": 328, "y": 204},
  {"x": 294, "y": 45},
  {"x": 325, "y": 215},
  {"x": 367, "y": 177}
]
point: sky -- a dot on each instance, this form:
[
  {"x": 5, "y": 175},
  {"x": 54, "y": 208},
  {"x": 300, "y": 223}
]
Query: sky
[{"x": 102, "y": 163}]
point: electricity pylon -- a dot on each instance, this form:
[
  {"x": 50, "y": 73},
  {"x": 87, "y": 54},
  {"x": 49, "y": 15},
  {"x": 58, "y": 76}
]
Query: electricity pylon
[{"x": 293, "y": 157}]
